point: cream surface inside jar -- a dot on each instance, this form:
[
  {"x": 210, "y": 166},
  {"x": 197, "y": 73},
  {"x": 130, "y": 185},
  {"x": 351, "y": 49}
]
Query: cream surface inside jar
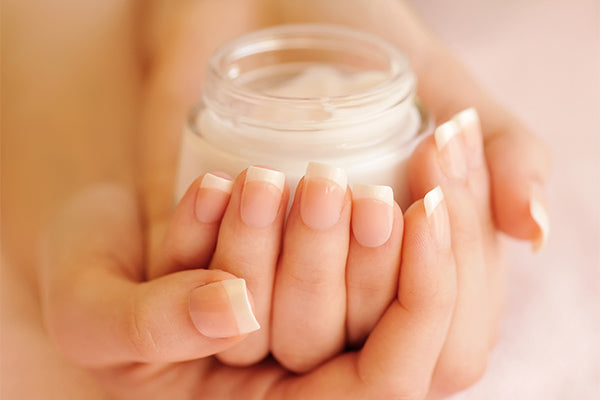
[{"x": 289, "y": 95}]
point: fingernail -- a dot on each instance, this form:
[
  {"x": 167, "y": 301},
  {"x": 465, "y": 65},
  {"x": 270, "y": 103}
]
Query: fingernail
[
  {"x": 261, "y": 196},
  {"x": 437, "y": 215},
  {"x": 212, "y": 198},
  {"x": 322, "y": 196},
  {"x": 372, "y": 214},
  {"x": 470, "y": 126},
  {"x": 538, "y": 212},
  {"x": 450, "y": 148},
  {"x": 222, "y": 309}
]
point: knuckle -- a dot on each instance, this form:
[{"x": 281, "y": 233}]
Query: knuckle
[
  {"x": 383, "y": 385},
  {"x": 443, "y": 300},
  {"x": 413, "y": 393},
  {"x": 292, "y": 359},
  {"x": 437, "y": 299},
  {"x": 143, "y": 342},
  {"x": 460, "y": 376},
  {"x": 312, "y": 281}
]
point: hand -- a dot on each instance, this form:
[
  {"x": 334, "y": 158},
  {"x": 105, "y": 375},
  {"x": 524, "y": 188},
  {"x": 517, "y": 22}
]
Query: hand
[
  {"x": 169, "y": 96},
  {"x": 151, "y": 339},
  {"x": 315, "y": 286},
  {"x": 510, "y": 200}
]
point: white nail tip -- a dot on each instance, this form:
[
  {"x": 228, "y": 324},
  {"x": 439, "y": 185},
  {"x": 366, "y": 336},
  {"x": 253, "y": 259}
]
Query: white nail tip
[
  {"x": 318, "y": 170},
  {"x": 377, "y": 192},
  {"x": 432, "y": 199},
  {"x": 540, "y": 216},
  {"x": 445, "y": 132},
  {"x": 238, "y": 297},
  {"x": 466, "y": 117},
  {"x": 211, "y": 181},
  {"x": 271, "y": 176}
]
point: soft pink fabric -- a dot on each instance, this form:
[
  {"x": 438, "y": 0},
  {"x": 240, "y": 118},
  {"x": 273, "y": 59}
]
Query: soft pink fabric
[{"x": 541, "y": 59}]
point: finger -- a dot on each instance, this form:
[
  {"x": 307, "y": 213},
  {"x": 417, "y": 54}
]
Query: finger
[
  {"x": 518, "y": 162},
  {"x": 248, "y": 247},
  {"x": 105, "y": 320},
  {"x": 99, "y": 313},
  {"x": 420, "y": 318},
  {"x": 479, "y": 185},
  {"x": 398, "y": 358},
  {"x": 373, "y": 259},
  {"x": 519, "y": 167},
  {"x": 309, "y": 302},
  {"x": 191, "y": 235},
  {"x": 444, "y": 159}
]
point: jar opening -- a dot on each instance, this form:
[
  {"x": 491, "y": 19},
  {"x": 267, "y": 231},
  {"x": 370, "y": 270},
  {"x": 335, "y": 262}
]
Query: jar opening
[{"x": 248, "y": 79}]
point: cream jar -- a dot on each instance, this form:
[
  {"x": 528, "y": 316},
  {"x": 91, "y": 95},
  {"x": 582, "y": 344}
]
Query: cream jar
[{"x": 285, "y": 96}]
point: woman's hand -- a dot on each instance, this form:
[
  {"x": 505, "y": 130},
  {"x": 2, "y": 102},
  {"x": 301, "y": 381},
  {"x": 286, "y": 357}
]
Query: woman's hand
[
  {"x": 154, "y": 338},
  {"x": 178, "y": 47},
  {"x": 506, "y": 165}
]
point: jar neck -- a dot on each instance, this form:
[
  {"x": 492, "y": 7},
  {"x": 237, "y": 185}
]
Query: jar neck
[{"x": 353, "y": 119}]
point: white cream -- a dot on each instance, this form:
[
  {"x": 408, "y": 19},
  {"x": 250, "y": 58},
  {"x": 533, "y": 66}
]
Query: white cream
[{"x": 285, "y": 114}]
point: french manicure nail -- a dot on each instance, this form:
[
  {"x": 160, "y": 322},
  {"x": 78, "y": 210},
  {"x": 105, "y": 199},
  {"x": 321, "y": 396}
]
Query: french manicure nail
[
  {"x": 538, "y": 212},
  {"x": 323, "y": 195},
  {"x": 261, "y": 196},
  {"x": 470, "y": 125},
  {"x": 437, "y": 215},
  {"x": 372, "y": 214},
  {"x": 450, "y": 148},
  {"x": 212, "y": 198},
  {"x": 222, "y": 309}
]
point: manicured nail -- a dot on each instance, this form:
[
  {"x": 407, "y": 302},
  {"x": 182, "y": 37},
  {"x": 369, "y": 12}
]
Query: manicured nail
[
  {"x": 261, "y": 196},
  {"x": 222, "y": 309},
  {"x": 437, "y": 215},
  {"x": 450, "y": 147},
  {"x": 470, "y": 126},
  {"x": 322, "y": 196},
  {"x": 538, "y": 212},
  {"x": 372, "y": 214},
  {"x": 212, "y": 198}
]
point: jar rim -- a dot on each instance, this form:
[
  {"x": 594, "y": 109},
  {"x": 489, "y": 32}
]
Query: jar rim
[{"x": 398, "y": 86}]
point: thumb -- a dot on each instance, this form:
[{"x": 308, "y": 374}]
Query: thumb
[
  {"x": 100, "y": 314},
  {"x": 183, "y": 316}
]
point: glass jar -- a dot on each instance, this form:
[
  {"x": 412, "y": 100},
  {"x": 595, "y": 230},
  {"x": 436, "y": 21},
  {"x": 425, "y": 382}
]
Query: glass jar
[{"x": 291, "y": 94}]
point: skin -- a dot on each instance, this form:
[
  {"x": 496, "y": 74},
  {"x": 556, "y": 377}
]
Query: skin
[{"x": 144, "y": 76}]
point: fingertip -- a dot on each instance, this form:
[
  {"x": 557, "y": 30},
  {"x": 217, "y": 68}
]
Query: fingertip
[
  {"x": 222, "y": 309},
  {"x": 539, "y": 214},
  {"x": 324, "y": 195},
  {"x": 212, "y": 197},
  {"x": 519, "y": 165},
  {"x": 372, "y": 214},
  {"x": 191, "y": 232}
]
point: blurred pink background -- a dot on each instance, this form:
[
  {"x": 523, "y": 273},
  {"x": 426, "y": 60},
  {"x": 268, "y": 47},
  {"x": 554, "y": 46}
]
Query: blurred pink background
[{"x": 541, "y": 59}]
